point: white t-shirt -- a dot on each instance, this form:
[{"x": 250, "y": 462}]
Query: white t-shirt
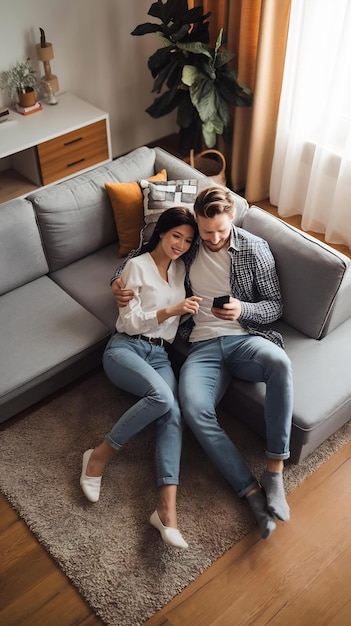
[
  {"x": 210, "y": 277},
  {"x": 151, "y": 293}
]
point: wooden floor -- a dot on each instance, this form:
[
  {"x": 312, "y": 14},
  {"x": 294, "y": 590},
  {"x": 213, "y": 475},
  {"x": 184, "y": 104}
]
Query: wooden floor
[{"x": 300, "y": 576}]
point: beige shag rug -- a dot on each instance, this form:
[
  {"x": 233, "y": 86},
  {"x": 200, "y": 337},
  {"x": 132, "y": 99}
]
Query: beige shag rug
[{"x": 109, "y": 550}]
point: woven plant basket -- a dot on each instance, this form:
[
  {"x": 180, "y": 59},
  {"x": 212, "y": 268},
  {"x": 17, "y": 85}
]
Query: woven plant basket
[{"x": 211, "y": 163}]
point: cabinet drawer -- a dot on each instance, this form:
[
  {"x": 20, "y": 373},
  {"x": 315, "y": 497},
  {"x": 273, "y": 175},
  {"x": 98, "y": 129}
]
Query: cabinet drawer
[{"x": 73, "y": 152}]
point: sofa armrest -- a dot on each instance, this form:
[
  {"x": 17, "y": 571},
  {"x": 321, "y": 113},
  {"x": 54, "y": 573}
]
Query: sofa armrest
[
  {"x": 341, "y": 310},
  {"x": 311, "y": 275}
]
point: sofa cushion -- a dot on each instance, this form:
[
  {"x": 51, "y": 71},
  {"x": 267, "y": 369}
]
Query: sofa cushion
[
  {"x": 309, "y": 271},
  {"x": 22, "y": 258},
  {"x": 127, "y": 205},
  {"x": 96, "y": 296},
  {"x": 54, "y": 331},
  {"x": 75, "y": 217}
]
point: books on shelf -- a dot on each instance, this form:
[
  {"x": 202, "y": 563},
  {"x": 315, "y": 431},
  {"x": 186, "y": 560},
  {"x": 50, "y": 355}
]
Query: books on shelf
[{"x": 27, "y": 110}]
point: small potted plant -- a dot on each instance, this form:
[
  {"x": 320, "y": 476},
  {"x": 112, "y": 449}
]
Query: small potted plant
[{"x": 21, "y": 80}]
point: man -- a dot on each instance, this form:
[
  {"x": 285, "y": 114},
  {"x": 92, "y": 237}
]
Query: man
[{"x": 235, "y": 341}]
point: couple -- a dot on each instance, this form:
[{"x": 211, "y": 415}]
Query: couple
[{"x": 217, "y": 258}]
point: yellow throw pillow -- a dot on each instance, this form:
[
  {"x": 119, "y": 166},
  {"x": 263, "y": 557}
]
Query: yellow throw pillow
[{"x": 127, "y": 205}]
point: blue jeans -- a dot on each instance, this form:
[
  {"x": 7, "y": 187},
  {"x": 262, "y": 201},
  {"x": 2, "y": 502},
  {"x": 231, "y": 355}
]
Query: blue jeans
[
  {"x": 204, "y": 379},
  {"x": 144, "y": 370}
]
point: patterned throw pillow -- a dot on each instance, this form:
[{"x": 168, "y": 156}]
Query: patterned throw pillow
[
  {"x": 159, "y": 196},
  {"x": 127, "y": 205}
]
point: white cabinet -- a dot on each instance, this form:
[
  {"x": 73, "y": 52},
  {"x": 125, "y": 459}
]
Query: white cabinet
[{"x": 51, "y": 145}]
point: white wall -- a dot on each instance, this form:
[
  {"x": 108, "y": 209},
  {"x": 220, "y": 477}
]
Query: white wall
[{"x": 96, "y": 58}]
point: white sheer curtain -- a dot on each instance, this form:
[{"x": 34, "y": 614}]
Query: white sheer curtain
[{"x": 311, "y": 171}]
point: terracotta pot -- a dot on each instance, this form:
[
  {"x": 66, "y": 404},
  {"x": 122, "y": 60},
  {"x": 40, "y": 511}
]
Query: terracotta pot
[{"x": 27, "y": 98}]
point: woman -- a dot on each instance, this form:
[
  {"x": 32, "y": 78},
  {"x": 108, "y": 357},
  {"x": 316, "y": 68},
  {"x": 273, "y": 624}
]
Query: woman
[{"x": 136, "y": 361}]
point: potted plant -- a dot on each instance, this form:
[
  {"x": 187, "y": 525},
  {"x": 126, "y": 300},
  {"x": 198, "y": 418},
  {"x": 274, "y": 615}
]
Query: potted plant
[
  {"x": 20, "y": 80},
  {"x": 198, "y": 79}
]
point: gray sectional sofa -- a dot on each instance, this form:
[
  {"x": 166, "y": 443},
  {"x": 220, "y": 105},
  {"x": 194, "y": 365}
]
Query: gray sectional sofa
[{"x": 58, "y": 250}]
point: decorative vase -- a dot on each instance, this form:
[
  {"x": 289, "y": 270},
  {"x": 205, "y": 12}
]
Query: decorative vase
[{"x": 27, "y": 98}]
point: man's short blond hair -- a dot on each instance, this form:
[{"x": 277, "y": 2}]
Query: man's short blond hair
[{"x": 214, "y": 201}]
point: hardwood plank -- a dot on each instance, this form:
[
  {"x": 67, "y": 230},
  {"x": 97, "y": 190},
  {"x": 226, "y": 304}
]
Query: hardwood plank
[
  {"x": 343, "y": 616},
  {"x": 14, "y": 544},
  {"x": 32, "y": 599},
  {"x": 313, "y": 604},
  {"x": 8, "y": 515},
  {"x": 26, "y": 571},
  {"x": 62, "y": 608}
]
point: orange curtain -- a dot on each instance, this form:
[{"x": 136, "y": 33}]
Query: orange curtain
[{"x": 256, "y": 31}]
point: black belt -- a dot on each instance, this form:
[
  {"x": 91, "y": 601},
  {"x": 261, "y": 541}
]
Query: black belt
[{"x": 156, "y": 341}]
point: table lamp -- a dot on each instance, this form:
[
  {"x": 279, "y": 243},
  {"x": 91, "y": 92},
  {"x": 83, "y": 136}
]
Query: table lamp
[{"x": 45, "y": 54}]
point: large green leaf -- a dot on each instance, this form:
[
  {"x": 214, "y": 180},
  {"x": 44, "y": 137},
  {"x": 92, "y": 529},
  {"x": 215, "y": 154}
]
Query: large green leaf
[
  {"x": 178, "y": 32},
  {"x": 196, "y": 47},
  {"x": 163, "y": 10},
  {"x": 223, "y": 57},
  {"x": 144, "y": 29},
  {"x": 232, "y": 92},
  {"x": 187, "y": 114},
  {"x": 165, "y": 103},
  {"x": 199, "y": 32},
  {"x": 175, "y": 75},
  {"x": 165, "y": 40},
  {"x": 162, "y": 78},
  {"x": 190, "y": 75},
  {"x": 210, "y": 136},
  {"x": 203, "y": 97},
  {"x": 159, "y": 59}
]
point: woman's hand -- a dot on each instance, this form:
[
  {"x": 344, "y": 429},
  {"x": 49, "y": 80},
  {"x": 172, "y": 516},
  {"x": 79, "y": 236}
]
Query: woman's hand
[{"x": 189, "y": 306}]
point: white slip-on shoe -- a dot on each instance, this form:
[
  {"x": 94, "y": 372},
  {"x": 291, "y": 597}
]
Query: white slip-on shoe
[
  {"x": 169, "y": 535},
  {"x": 90, "y": 484}
]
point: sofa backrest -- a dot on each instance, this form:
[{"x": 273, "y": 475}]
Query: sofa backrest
[
  {"x": 310, "y": 272},
  {"x": 22, "y": 257},
  {"x": 75, "y": 217}
]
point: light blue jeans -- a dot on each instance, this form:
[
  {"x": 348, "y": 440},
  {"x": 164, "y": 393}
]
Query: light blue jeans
[
  {"x": 204, "y": 379},
  {"x": 144, "y": 370}
]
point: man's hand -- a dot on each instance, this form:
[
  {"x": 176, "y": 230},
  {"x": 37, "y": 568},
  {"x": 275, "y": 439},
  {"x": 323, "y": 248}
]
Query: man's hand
[
  {"x": 230, "y": 311},
  {"x": 122, "y": 295}
]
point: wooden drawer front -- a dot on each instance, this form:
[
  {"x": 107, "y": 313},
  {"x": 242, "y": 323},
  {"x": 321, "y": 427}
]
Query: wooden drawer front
[{"x": 73, "y": 152}]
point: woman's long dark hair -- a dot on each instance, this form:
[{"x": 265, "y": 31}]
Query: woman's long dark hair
[{"x": 171, "y": 218}]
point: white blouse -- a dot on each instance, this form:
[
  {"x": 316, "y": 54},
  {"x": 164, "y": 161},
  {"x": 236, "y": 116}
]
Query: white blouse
[{"x": 151, "y": 293}]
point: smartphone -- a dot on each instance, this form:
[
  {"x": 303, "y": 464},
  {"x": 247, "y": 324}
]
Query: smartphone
[{"x": 219, "y": 301}]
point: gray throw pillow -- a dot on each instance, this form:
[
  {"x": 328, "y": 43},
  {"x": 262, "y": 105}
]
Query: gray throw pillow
[{"x": 159, "y": 196}]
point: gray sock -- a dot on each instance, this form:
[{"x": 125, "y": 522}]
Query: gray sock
[
  {"x": 258, "y": 506},
  {"x": 272, "y": 483}
]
